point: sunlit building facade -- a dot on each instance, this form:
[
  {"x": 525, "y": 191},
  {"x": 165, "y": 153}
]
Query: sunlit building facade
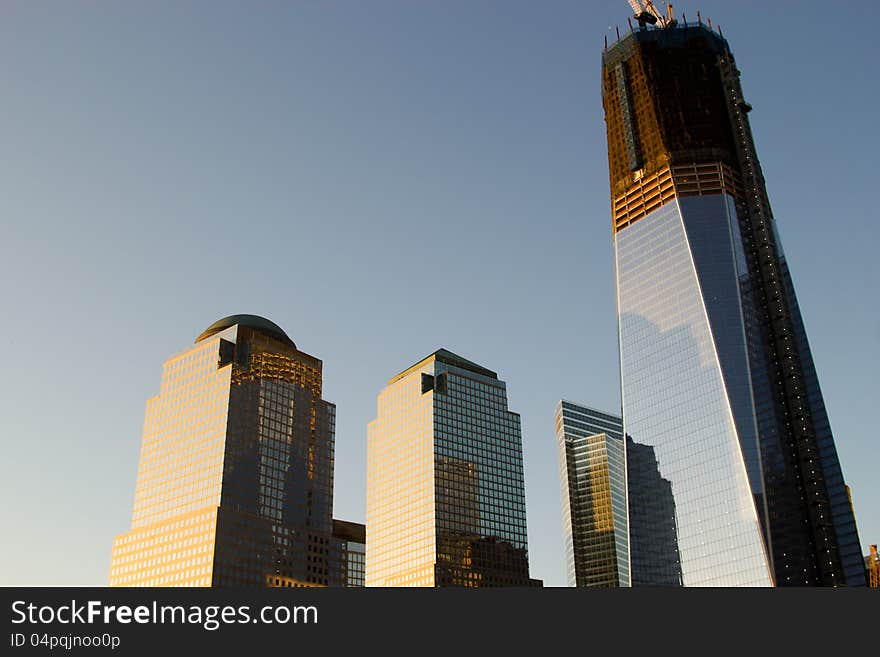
[
  {"x": 716, "y": 372},
  {"x": 872, "y": 567},
  {"x": 235, "y": 482},
  {"x": 592, "y": 469},
  {"x": 445, "y": 491}
]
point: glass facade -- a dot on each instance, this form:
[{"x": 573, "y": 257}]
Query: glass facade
[
  {"x": 445, "y": 491},
  {"x": 592, "y": 465},
  {"x": 235, "y": 482},
  {"x": 795, "y": 551},
  {"x": 676, "y": 398},
  {"x": 653, "y": 525},
  {"x": 718, "y": 383},
  {"x": 353, "y": 543}
]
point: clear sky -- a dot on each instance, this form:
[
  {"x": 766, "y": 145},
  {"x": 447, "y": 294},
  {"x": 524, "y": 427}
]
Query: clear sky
[{"x": 381, "y": 179}]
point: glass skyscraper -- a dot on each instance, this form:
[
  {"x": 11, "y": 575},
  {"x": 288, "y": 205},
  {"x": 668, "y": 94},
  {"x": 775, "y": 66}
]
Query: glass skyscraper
[
  {"x": 445, "y": 494},
  {"x": 592, "y": 469},
  {"x": 716, "y": 372},
  {"x": 618, "y": 511},
  {"x": 235, "y": 482}
]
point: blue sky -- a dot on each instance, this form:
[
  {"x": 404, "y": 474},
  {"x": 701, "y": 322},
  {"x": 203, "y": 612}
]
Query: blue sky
[{"x": 381, "y": 179}]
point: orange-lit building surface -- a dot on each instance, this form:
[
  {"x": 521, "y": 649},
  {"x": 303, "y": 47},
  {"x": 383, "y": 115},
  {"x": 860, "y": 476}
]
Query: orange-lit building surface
[
  {"x": 235, "y": 482},
  {"x": 445, "y": 494},
  {"x": 872, "y": 566}
]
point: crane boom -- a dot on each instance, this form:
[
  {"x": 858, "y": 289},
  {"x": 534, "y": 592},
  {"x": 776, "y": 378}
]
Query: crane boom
[
  {"x": 649, "y": 7},
  {"x": 645, "y": 12},
  {"x": 636, "y": 7}
]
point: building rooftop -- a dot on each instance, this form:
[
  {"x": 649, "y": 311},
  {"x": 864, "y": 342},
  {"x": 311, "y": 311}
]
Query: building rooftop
[
  {"x": 349, "y": 531},
  {"x": 446, "y": 356},
  {"x": 677, "y": 35},
  {"x": 250, "y": 321}
]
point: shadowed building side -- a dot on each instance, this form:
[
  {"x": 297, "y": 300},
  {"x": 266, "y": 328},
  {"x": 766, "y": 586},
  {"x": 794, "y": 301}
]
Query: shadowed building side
[{"x": 353, "y": 543}]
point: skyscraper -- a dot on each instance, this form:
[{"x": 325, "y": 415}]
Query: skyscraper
[
  {"x": 716, "y": 372},
  {"x": 592, "y": 468},
  {"x": 619, "y": 517},
  {"x": 235, "y": 482},
  {"x": 445, "y": 492}
]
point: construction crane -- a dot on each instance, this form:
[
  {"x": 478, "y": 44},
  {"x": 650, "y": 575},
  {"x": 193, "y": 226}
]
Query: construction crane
[{"x": 646, "y": 13}]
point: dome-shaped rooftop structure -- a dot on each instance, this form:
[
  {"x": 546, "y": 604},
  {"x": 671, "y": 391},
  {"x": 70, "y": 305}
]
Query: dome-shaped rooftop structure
[{"x": 252, "y": 322}]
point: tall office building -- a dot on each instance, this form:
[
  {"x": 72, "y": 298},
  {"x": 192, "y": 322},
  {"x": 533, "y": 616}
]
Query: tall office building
[
  {"x": 619, "y": 518},
  {"x": 445, "y": 494},
  {"x": 592, "y": 473},
  {"x": 716, "y": 371},
  {"x": 235, "y": 483}
]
